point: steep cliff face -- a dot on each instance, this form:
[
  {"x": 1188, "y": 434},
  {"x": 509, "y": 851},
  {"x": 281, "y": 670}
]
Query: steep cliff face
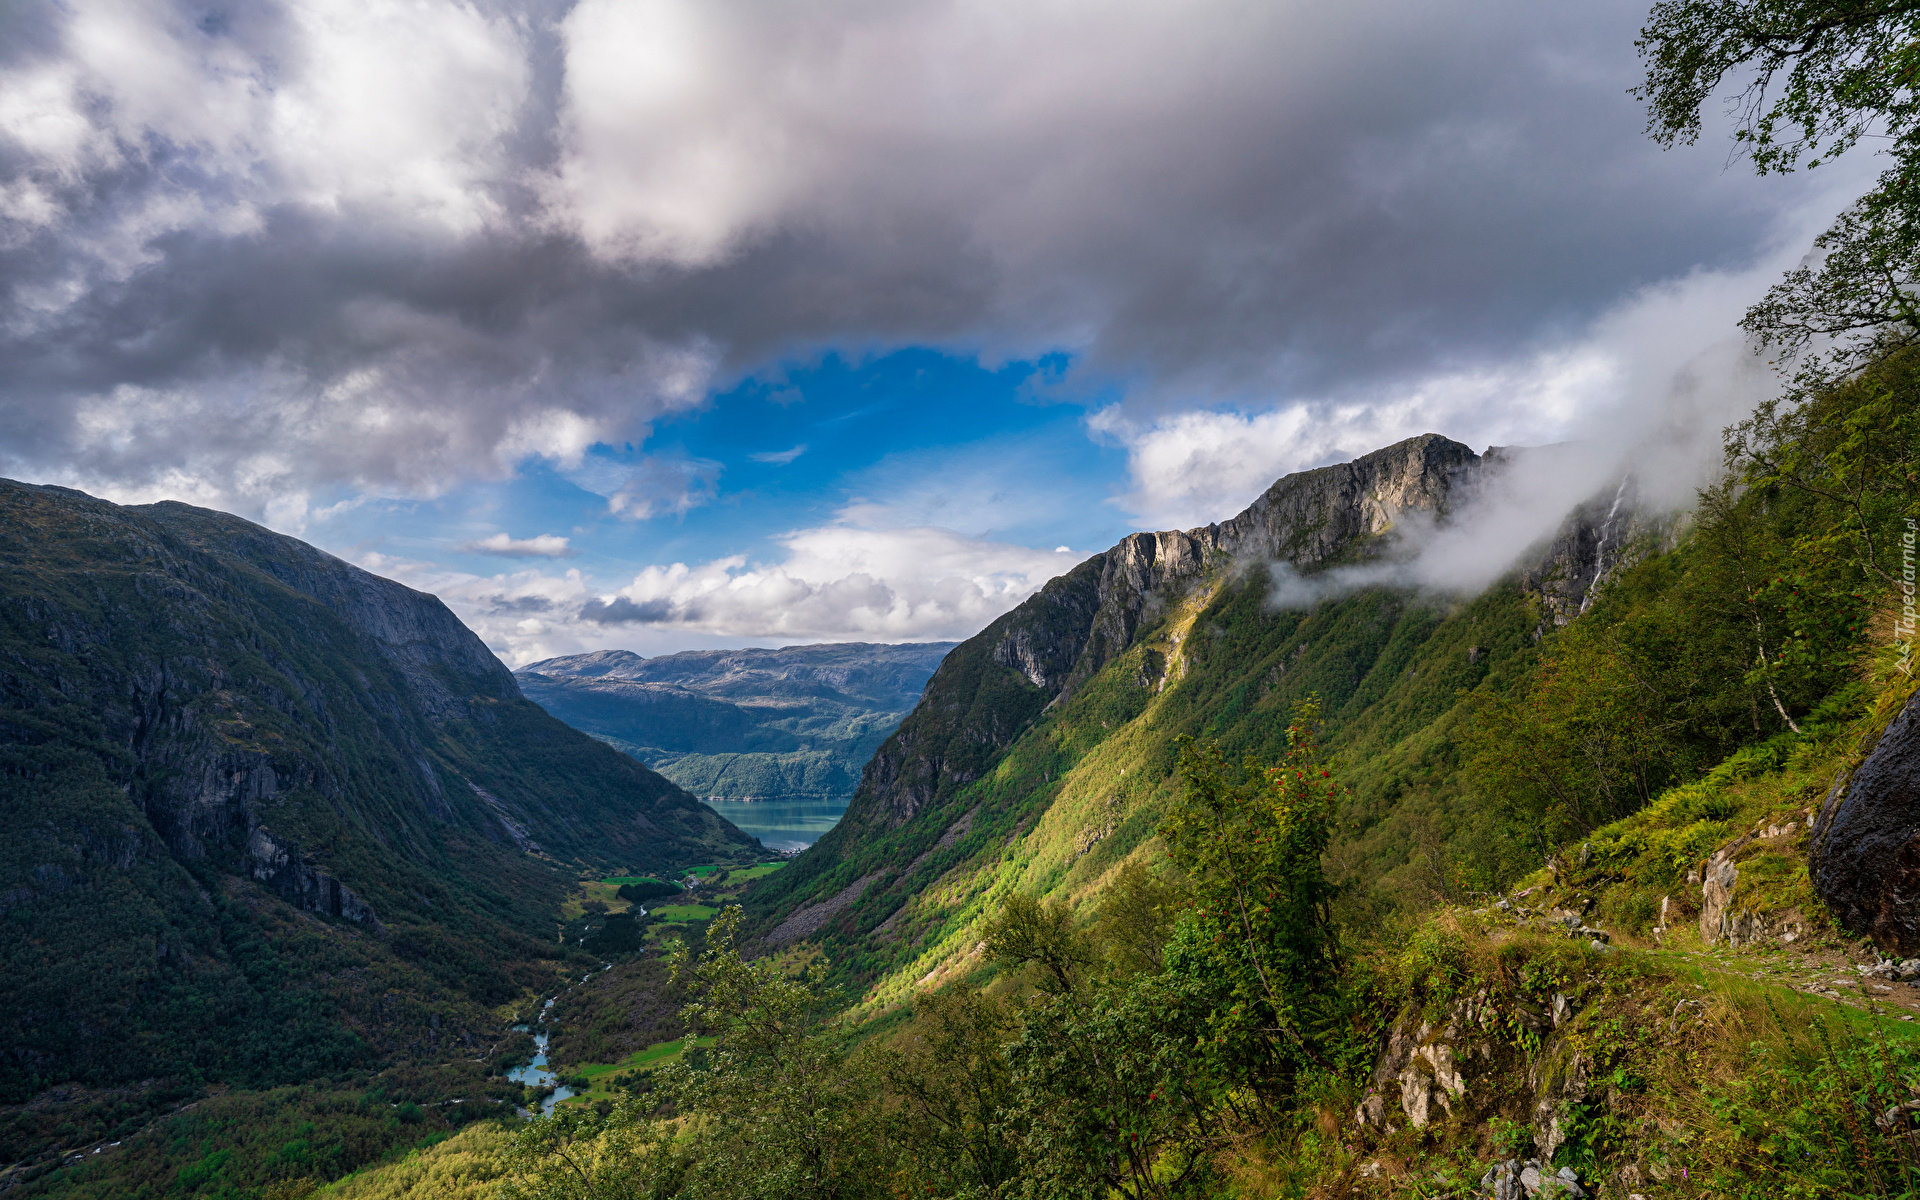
[
  {"x": 191, "y": 705},
  {"x": 1074, "y": 697},
  {"x": 1065, "y": 633},
  {"x": 1864, "y": 857},
  {"x": 1602, "y": 536}
]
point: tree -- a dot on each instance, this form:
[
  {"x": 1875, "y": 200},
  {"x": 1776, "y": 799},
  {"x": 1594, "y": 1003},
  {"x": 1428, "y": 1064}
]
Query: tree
[
  {"x": 776, "y": 1107},
  {"x": 1812, "y": 78},
  {"x": 577, "y": 1154},
  {"x": 959, "y": 1136},
  {"x": 1583, "y": 744},
  {"x": 1260, "y": 930},
  {"x": 1040, "y": 935},
  {"x": 1115, "y": 1092},
  {"x": 773, "y": 1107}
]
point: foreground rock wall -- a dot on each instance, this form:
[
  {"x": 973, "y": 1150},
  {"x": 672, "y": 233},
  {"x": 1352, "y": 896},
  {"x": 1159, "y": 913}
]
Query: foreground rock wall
[{"x": 1865, "y": 854}]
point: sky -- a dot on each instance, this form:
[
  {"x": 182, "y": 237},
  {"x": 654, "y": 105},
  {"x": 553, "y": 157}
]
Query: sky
[{"x": 670, "y": 324}]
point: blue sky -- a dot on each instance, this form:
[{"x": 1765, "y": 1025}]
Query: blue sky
[
  {"x": 937, "y": 439},
  {"x": 913, "y": 440},
  {"x": 674, "y": 323}
]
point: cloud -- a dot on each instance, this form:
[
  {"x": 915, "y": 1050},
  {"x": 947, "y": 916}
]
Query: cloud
[
  {"x": 1192, "y": 468},
  {"x": 1646, "y": 390},
  {"x": 304, "y": 245},
  {"x": 780, "y": 457},
  {"x": 655, "y": 485},
  {"x": 545, "y": 545},
  {"x": 840, "y": 581},
  {"x": 837, "y": 582}
]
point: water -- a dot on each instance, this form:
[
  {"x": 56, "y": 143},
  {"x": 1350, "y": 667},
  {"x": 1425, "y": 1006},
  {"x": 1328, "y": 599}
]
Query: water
[
  {"x": 782, "y": 824},
  {"x": 535, "y": 1073}
]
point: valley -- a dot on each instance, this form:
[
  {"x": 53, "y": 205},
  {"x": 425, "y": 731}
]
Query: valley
[
  {"x": 773, "y": 739},
  {"x": 1503, "y": 866}
]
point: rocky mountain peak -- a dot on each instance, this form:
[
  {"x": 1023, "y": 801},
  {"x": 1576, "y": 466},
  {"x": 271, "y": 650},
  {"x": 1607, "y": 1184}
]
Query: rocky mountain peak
[{"x": 1063, "y": 634}]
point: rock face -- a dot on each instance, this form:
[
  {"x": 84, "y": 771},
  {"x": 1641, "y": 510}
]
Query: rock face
[
  {"x": 1065, "y": 633},
  {"x": 1865, "y": 853},
  {"x": 1419, "y": 1074}
]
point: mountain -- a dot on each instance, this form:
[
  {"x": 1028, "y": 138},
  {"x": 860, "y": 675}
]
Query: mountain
[
  {"x": 787, "y": 724},
  {"x": 269, "y": 817},
  {"x": 1044, "y": 749}
]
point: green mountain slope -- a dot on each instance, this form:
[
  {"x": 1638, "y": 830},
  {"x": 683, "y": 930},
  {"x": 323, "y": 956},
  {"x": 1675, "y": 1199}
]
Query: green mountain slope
[
  {"x": 1043, "y": 753},
  {"x": 795, "y": 723},
  {"x": 268, "y": 817}
]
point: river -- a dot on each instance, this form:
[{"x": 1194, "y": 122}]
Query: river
[{"x": 535, "y": 1073}]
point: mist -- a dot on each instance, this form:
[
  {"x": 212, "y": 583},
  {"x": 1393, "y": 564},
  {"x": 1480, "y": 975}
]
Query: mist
[{"x": 1647, "y": 456}]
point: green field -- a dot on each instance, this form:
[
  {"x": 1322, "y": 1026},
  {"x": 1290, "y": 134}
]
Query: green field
[
  {"x": 750, "y": 873},
  {"x": 621, "y": 880},
  {"x": 600, "y": 1075},
  {"x": 683, "y": 912}
]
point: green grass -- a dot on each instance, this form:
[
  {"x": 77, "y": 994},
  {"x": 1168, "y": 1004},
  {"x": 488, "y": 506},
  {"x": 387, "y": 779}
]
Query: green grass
[
  {"x": 600, "y": 1075},
  {"x": 749, "y": 873},
  {"x": 683, "y": 912},
  {"x": 622, "y": 880}
]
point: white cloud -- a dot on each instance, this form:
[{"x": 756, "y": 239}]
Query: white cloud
[
  {"x": 839, "y": 582},
  {"x": 1192, "y": 468},
  {"x": 292, "y": 253},
  {"x": 546, "y": 545},
  {"x": 661, "y": 485},
  {"x": 779, "y": 457}
]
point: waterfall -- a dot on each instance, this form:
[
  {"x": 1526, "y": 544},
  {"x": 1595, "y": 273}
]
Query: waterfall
[{"x": 1600, "y": 548}]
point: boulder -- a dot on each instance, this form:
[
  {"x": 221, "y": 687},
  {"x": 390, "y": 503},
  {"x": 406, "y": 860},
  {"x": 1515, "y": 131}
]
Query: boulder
[
  {"x": 1864, "y": 857},
  {"x": 1418, "y": 1068}
]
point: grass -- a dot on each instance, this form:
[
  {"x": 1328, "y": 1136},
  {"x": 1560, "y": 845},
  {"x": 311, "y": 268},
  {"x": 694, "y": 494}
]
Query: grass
[
  {"x": 466, "y": 1166},
  {"x": 601, "y": 1076},
  {"x": 677, "y": 913},
  {"x": 606, "y": 892},
  {"x": 746, "y": 874},
  {"x": 626, "y": 879}
]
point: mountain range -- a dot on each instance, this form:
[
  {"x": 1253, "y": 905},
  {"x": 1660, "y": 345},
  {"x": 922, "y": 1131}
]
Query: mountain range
[{"x": 795, "y": 723}]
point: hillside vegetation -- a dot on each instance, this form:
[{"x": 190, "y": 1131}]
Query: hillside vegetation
[{"x": 272, "y": 822}]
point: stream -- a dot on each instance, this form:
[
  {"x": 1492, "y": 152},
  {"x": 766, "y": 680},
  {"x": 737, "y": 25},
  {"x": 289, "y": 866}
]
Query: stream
[{"x": 535, "y": 1073}]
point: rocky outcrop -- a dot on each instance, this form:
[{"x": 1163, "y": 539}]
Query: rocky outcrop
[
  {"x": 1418, "y": 1076},
  {"x": 1596, "y": 541},
  {"x": 1728, "y": 916},
  {"x": 1865, "y": 854},
  {"x": 281, "y": 866},
  {"x": 1428, "y": 1072},
  {"x": 808, "y": 919}
]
